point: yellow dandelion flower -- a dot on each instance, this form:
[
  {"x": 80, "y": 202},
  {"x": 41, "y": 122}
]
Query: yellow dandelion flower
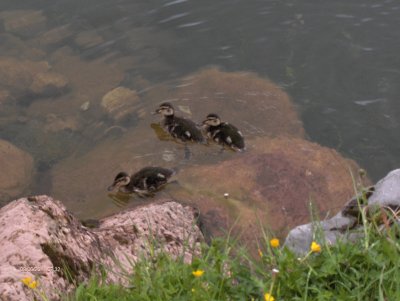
[
  {"x": 316, "y": 248},
  {"x": 33, "y": 284},
  {"x": 260, "y": 253},
  {"x": 26, "y": 280},
  {"x": 29, "y": 282},
  {"x": 268, "y": 297},
  {"x": 274, "y": 243},
  {"x": 198, "y": 273},
  {"x": 193, "y": 290}
]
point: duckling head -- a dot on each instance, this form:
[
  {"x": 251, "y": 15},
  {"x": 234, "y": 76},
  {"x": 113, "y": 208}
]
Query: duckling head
[
  {"x": 212, "y": 120},
  {"x": 165, "y": 109},
  {"x": 121, "y": 180}
]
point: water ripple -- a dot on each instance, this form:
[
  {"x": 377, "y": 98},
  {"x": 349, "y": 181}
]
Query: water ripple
[
  {"x": 173, "y": 17},
  {"x": 369, "y": 101},
  {"x": 191, "y": 24},
  {"x": 174, "y": 2}
]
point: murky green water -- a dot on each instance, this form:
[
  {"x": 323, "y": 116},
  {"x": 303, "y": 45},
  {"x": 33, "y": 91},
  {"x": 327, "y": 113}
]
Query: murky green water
[{"x": 338, "y": 60}]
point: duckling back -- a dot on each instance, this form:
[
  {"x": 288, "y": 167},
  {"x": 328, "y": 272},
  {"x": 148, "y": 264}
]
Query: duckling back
[
  {"x": 150, "y": 178},
  {"x": 183, "y": 129}
]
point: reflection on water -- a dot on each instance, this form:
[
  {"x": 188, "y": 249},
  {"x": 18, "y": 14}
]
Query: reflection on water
[{"x": 338, "y": 61}]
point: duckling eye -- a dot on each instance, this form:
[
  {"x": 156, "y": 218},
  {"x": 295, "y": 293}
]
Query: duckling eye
[
  {"x": 212, "y": 121},
  {"x": 125, "y": 181},
  {"x": 167, "y": 111}
]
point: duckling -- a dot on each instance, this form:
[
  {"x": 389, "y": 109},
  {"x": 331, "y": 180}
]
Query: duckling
[
  {"x": 223, "y": 133},
  {"x": 144, "y": 182},
  {"x": 180, "y": 128}
]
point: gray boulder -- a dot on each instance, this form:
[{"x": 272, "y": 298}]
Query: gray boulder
[
  {"x": 337, "y": 228},
  {"x": 387, "y": 191},
  {"x": 347, "y": 224}
]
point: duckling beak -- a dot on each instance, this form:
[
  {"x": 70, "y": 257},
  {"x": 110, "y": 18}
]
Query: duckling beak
[
  {"x": 158, "y": 111},
  {"x": 111, "y": 187}
]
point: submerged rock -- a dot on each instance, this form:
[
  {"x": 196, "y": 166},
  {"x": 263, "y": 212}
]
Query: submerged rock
[
  {"x": 55, "y": 36},
  {"x": 255, "y": 105},
  {"x": 24, "y": 78},
  {"x": 17, "y": 75},
  {"x": 23, "y": 22},
  {"x": 81, "y": 180},
  {"x": 89, "y": 38},
  {"x": 12, "y": 46},
  {"x": 120, "y": 104},
  {"x": 16, "y": 172},
  {"x": 48, "y": 84},
  {"x": 46, "y": 240}
]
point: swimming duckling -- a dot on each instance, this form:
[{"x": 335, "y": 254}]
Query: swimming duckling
[
  {"x": 144, "y": 182},
  {"x": 179, "y": 128},
  {"x": 223, "y": 132}
]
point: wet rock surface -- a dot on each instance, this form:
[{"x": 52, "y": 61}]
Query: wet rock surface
[
  {"x": 273, "y": 183},
  {"x": 347, "y": 224},
  {"x": 47, "y": 238},
  {"x": 255, "y": 105},
  {"x": 16, "y": 172}
]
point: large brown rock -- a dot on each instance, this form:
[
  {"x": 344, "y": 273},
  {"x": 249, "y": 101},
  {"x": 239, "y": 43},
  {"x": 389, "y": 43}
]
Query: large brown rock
[
  {"x": 255, "y": 105},
  {"x": 16, "y": 171},
  {"x": 46, "y": 241},
  {"x": 272, "y": 184}
]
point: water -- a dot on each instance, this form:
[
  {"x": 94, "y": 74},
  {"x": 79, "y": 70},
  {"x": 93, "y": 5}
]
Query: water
[{"x": 337, "y": 60}]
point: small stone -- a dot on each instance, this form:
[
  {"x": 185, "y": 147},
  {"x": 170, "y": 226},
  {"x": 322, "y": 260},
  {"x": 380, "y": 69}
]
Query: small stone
[
  {"x": 120, "y": 103},
  {"x": 48, "y": 84},
  {"x": 168, "y": 156},
  {"x": 56, "y": 123},
  {"x": 85, "y": 106}
]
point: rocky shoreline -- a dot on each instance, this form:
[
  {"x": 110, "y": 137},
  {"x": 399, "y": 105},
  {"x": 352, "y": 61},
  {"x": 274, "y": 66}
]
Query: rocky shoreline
[{"x": 42, "y": 240}]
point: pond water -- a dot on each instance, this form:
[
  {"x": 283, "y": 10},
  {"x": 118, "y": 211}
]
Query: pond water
[{"x": 338, "y": 61}]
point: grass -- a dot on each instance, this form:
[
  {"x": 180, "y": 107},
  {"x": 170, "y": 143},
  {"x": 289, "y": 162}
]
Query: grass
[{"x": 345, "y": 271}]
